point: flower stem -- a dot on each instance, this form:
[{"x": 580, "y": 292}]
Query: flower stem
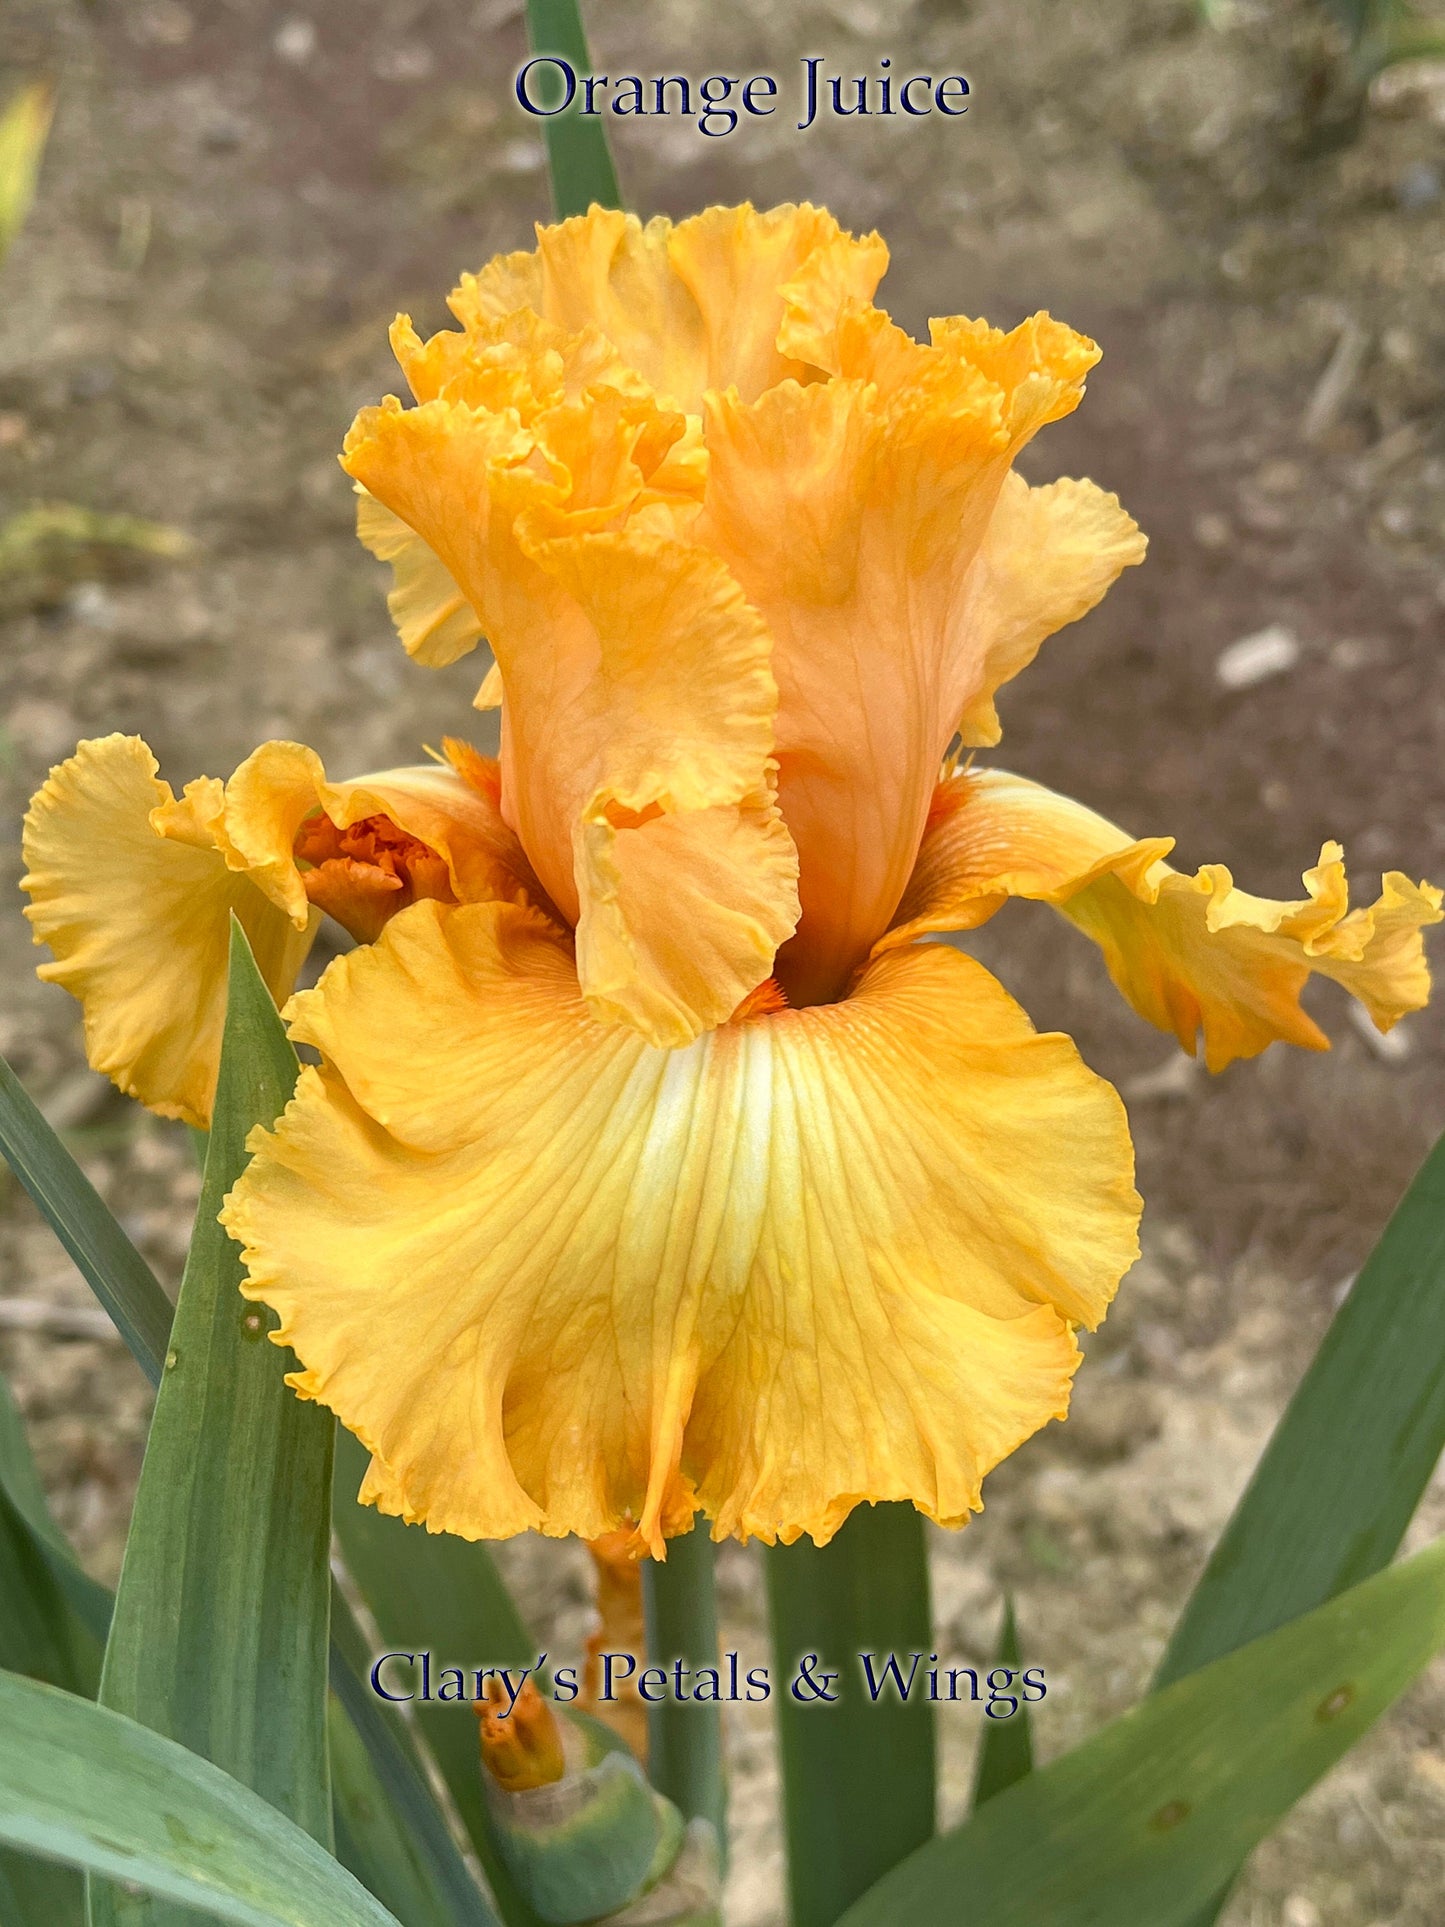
[
  {"x": 685, "y": 1735},
  {"x": 858, "y": 1773}
]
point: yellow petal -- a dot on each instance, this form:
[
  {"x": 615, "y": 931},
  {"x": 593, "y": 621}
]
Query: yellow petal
[
  {"x": 517, "y": 361},
  {"x": 601, "y": 270},
  {"x": 1190, "y": 953},
  {"x": 491, "y": 694},
  {"x": 690, "y": 307},
  {"x": 1038, "y": 367},
  {"x": 1049, "y": 555},
  {"x": 686, "y": 875},
  {"x": 682, "y": 915},
  {"x": 132, "y": 894},
  {"x": 434, "y": 467},
  {"x": 1389, "y": 975},
  {"x": 639, "y": 702},
  {"x": 751, "y": 274},
  {"x": 435, "y": 621},
  {"x": 558, "y": 1279},
  {"x": 865, "y": 521},
  {"x": 838, "y": 273}
]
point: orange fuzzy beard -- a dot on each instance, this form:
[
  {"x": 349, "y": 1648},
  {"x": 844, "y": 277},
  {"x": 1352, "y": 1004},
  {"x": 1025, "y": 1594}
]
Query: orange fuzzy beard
[{"x": 363, "y": 875}]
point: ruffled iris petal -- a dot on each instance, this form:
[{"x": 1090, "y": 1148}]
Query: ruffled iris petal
[
  {"x": 132, "y": 893},
  {"x": 639, "y": 704},
  {"x": 692, "y": 306},
  {"x": 1192, "y": 954},
  {"x": 853, "y": 484},
  {"x": 434, "y": 620},
  {"x": 557, "y": 1278},
  {"x": 905, "y": 574},
  {"x": 1050, "y": 554},
  {"x": 133, "y": 888}
]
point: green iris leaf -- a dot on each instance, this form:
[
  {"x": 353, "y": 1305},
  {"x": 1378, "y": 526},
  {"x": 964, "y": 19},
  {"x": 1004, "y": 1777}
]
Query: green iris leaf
[{"x": 86, "y": 1786}]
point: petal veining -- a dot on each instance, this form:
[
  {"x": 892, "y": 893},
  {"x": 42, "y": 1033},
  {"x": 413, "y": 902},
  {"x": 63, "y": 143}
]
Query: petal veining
[{"x": 557, "y": 1278}]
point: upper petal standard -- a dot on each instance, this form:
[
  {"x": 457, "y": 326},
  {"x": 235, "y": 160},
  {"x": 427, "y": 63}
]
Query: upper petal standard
[
  {"x": 557, "y": 1278},
  {"x": 705, "y": 421},
  {"x": 905, "y": 574},
  {"x": 733, "y": 297},
  {"x": 639, "y": 700}
]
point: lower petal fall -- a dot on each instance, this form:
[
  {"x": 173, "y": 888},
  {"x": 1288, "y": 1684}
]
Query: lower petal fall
[
  {"x": 132, "y": 894},
  {"x": 1192, "y": 954},
  {"x": 559, "y": 1279}
]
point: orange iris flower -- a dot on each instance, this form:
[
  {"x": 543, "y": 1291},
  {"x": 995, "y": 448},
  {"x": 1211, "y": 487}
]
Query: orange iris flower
[{"x": 655, "y": 1162}]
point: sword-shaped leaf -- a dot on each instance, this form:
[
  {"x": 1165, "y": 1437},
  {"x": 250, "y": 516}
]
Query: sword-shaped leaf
[
  {"x": 43, "y": 1636},
  {"x": 1346, "y": 1466},
  {"x": 88, "y": 1787},
  {"x": 110, "y": 1264},
  {"x": 578, "y": 159},
  {"x": 1140, "y": 1825},
  {"x": 1006, "y": 1750},
  {"x": 219, "y": 1638}
]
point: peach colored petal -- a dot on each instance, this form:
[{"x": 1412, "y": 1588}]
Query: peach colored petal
[
  {"x": 435, "y": 621},
  {"x": 692, "y": 306},
  {"x": 904, "y": 574},
  {"x": 1049, "y": 556},
  {"x": 639, "y": 701},
  {"x": 853, "y": 482}
]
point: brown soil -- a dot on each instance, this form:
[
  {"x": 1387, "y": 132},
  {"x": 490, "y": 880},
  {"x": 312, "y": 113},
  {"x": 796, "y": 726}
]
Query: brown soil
[{"x": 236, "y": 201}]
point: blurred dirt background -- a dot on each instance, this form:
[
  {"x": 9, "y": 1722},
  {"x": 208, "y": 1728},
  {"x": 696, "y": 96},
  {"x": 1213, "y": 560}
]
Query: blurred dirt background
[{"x": 237, "y": 199}]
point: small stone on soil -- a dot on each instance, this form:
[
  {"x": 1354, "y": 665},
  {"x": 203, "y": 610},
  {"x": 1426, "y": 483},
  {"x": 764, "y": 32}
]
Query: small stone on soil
[{"x": 1255, "y": 659}]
